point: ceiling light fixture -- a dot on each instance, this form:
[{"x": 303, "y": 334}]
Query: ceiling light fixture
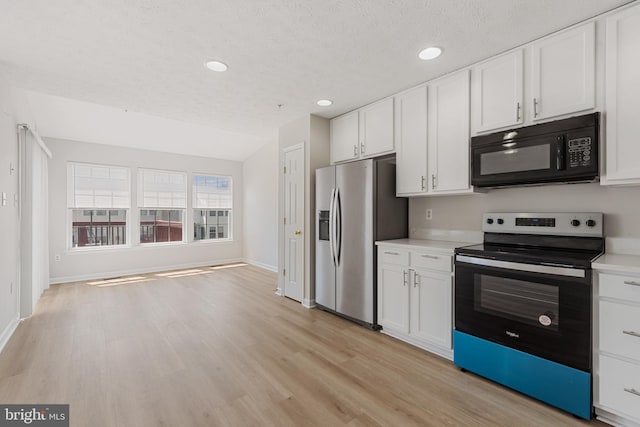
[
  {"x": 216, "y": 66},
  {"x": 324, "y": 102},
  {"x": 430, "y": 53}
]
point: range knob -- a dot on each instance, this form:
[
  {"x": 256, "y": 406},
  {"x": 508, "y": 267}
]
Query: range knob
[
  {"x": 500, "y": 221},
  {"x": 489, "y": 220},
  {"x": 591, "y": 223},
  {"x": 575, "y": 222}
]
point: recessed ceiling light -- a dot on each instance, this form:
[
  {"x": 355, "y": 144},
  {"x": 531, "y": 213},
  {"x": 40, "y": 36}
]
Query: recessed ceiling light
[
  {"x": 429, "y": 53},
  {"x": 324, "y": 102},
  {"x": 216, "y": 66}
]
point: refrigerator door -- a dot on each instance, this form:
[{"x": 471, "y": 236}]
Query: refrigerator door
[
  {"x": 355, "y": 266},
  {"x": 325, "y": 266}
]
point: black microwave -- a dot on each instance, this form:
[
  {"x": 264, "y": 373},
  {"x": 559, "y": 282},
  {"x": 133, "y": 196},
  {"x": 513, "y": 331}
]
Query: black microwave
[{"x": 554, "y": 152}]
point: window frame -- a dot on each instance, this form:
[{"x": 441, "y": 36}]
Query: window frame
[
  {"x": 69, "y": 209},
  {"x": 230, "y": 223}
]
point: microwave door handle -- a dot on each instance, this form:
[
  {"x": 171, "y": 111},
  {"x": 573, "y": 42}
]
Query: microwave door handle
[{"x": 560, "y": 150}]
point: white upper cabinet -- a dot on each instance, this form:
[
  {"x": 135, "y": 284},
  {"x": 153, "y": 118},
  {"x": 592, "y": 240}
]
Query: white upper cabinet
[
  {"x": 364, "y": 133},
  {"x": 497, "y": 92},
  {"x": 411, "y": 141},
  {"x": 448, "y": 134},
  {"x": 623, "y": 98},
  {"x": 345, "y": 143},
  {"x": 432, "y": 137},
  {"x": 376, "y": 128},
  {"x": 563, "y": 73}
]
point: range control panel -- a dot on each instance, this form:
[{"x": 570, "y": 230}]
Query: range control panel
[{"x": 563, "y": 224}]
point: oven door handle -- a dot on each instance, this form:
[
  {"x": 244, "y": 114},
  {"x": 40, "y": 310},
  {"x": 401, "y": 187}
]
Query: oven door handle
[{"x": 533, "y": 268}]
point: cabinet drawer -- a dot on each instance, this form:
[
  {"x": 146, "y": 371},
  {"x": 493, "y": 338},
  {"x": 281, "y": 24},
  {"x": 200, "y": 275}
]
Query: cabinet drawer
[
  {"x": 621, "y": 287},
  {"x": 620, "y": 386},
  {"x": 620, "y": 329},
  {"x": 432, "y": 261},
  {"x": 387, "y": 255}
]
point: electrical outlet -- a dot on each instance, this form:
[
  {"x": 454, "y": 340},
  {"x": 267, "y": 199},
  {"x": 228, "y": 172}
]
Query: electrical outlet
[
  {"x": 58, "y": 257},
  {"x": 429, "y": 214}
]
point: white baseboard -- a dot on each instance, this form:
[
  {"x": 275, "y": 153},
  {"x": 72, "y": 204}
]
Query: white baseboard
[
  {"x": 262, "y": 265},
  {"x": 308, "y": 303},
  {"x": 8, "y": 332},
  {"x": 118, "y": 273},
  {"x": 279, "y": 292}
]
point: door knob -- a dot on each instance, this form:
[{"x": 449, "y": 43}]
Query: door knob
[{"x": 297, "y": 232}]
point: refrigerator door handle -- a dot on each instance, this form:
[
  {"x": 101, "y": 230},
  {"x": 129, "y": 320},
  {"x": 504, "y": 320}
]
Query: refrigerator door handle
[
  {"x": 332, "y": 213},
  {"x": 338, "y": 209}
]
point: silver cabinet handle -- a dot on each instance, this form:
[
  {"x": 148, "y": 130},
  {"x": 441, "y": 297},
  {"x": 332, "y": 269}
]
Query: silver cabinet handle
[
  {"x": 362, "y": 148},
  {"x": 430, "y": 256},
  {"x": 391, "y": 253},
  {"x": 405, "y": 273},
  {"x": 355, "y": 150},
  {"x": 632, "y": 283},
  {"x": 632, "y": 333},
  {"x": 518, "y": 111},
  {"x": 416, "y": 279},
  {"x": 423, "y": 181},
  {"x": 535, "y": 107},
  {"x": 632, "y": 391},
  {"x": 433, "y": 181}
]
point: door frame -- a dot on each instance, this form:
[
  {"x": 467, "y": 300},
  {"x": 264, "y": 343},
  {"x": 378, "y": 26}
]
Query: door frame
[{"x": 280, "y": 291}]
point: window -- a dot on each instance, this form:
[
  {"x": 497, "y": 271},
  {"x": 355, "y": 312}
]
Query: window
[
  {"x": 162, "y": 199},
  {"x": 98, "y": 200},
  {"x": 212, "y": 203}
]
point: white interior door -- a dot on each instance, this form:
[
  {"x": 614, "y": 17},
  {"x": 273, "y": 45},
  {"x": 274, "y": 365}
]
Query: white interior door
[{"x": 294, "y": 223}]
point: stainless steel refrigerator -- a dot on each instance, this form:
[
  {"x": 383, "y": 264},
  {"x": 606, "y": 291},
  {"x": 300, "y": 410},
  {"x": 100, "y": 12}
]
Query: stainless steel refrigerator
[{"x": 356, "y": 205}]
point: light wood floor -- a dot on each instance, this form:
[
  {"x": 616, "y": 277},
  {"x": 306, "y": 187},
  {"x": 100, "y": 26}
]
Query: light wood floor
[{"x": 217, "y": 347}]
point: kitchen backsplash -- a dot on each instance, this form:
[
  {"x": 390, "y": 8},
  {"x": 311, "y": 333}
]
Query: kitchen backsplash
[{"x": 620, "y": 205}]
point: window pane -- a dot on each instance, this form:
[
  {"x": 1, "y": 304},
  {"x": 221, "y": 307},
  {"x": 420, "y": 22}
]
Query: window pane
[
  {"x": 211, "y": 224},
  {"x": 98, "y": 227},
  {"x": 161, "y": 225},
  {"x": 98, "y": 186},
  {"x": 212, "y": 191},
  {"x": 162, "y": 189}
]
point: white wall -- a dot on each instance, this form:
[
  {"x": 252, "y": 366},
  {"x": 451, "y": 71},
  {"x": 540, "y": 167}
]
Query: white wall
[
  {"x": 260, "y": 243},
  {"x": 620, "y": 205},
  {"x": 107, "y": 262}
]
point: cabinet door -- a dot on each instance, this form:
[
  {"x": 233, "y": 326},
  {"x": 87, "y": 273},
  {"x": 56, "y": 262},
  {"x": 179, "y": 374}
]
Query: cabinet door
[
  {"x": 376, "y": 128},
  {"x": 563, "y": 73},
  {"x": 393, "y": 297},
  {"x": 623, "y": 97},
  {"x": 431, "y": 307},
  {"x": 344, "y": 137},
  {"x": 496, "y": 93},
  {"x": 411, "y": 141},
  {"x": 448, "y": 149}
]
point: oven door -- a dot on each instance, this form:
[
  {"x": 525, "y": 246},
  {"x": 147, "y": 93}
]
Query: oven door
[{"x": 541, "y": 310}]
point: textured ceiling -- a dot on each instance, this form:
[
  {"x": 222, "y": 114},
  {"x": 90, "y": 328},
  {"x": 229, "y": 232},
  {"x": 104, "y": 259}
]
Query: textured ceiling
[{"x": 147, "y": 55}]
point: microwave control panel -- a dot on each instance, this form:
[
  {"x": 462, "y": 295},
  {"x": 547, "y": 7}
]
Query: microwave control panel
[{"x": 579, "y": 150}]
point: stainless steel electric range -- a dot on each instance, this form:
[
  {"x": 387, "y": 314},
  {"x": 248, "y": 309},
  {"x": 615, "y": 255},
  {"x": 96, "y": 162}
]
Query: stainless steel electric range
[{"x": 523, "y": 303}]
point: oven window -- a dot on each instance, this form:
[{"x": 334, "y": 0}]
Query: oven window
[
  {"x": 526, "y": 302},
  {"x": 516, "y": 159}
]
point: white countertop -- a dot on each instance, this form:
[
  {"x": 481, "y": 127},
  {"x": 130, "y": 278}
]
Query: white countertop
[
  {"x": 433, "y": 245},
  {"x": 618, "y": 263}
]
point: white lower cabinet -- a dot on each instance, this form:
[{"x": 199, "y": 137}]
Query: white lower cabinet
[
  {"x": 415, "y": 297},
  {"x": 617, "y": 352}
]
